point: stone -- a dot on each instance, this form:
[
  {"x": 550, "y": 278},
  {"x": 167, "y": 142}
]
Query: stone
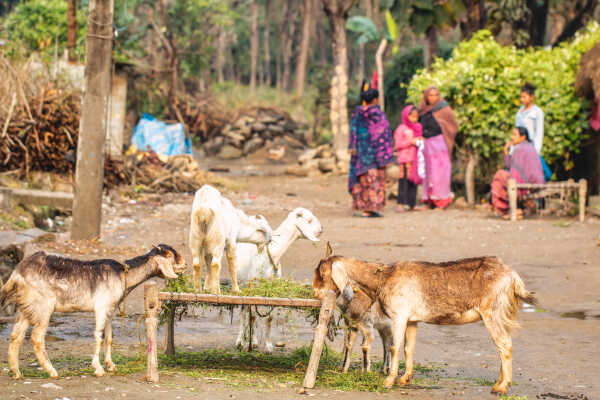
[
  {"x": 258, "y": 127},
  {"x": 297, "y": 170},
  {"x": 252, "y": 145},
  {"x": 307, "y": 155},
  {"x": 213, "y": 146},
  {"x": 43, "y": 198},
  {"x": 343, "y": 167},
  {"x": 229, "y": 152},
  {"x": 293, "y": 142},
  {"x": 327, "y": 164},
  {"x": 392, "y": 171},
  {"x": 275, "y": 129},
  {"x": 246, "y": 130},
  {"x": 6, "y": 200},
  {"x": 460, "y": 203}
]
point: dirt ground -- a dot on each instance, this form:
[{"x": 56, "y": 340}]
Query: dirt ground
[{"x": 555, "y": 355}]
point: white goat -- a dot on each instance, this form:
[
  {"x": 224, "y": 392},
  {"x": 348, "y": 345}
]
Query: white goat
[
  {"x": 216, "y": 227},
  {"x": 42, "y": 284},
  {"x": 254, "y": 263}
]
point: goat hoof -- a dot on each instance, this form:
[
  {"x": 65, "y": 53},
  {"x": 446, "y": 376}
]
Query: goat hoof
[
  {"x": 110, "y": 367},
  {"x": 499, "y": 390},
  {"x": 99, "y": 372},
  {"x": 404, "y": 380},
  {"x": 389, "y": 382},
  {"x": 269, "y": 349},
  {"x": 18, "y": 376}
]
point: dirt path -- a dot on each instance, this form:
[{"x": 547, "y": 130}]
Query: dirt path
[{"x": 556, "y": 351}]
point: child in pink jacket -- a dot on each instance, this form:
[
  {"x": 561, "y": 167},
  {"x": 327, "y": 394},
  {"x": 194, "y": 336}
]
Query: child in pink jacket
[{"x": 406, "y": 137}]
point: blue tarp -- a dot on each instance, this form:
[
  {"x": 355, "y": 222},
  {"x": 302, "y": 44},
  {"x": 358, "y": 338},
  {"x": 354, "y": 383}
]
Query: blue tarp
[{"x": 163, "y": 138}]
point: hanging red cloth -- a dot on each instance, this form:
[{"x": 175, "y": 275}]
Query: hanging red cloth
[{"x": 595, "y": 118}]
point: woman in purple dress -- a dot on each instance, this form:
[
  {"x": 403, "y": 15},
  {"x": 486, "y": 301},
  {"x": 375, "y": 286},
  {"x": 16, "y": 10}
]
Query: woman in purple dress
[
  {"x": 371, "y": 150},
  {"x": 522, "y": 165}
]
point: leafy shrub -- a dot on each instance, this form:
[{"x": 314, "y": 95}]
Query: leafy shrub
[
  {"x": 482, "y": 83},
  {"x": 37, "y": 25}
]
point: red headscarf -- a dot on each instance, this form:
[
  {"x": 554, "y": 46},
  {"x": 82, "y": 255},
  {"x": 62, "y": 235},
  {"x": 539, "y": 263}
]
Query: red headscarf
[{"x": 443, "y": 114}]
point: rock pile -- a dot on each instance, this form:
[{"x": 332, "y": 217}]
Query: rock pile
[
  {"x": 320, "y": 160},
  {"x": 254, "y": 129}
]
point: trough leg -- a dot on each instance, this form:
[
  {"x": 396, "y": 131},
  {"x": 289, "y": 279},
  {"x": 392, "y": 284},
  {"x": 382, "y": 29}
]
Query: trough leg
[
  {"x": 171, "y": 331},
  {"x": 512, "y": 199},
  {"x": 327, "y": 307},
  {"x": 152, "y": 309},
  {"x": 582, "y": 199}
]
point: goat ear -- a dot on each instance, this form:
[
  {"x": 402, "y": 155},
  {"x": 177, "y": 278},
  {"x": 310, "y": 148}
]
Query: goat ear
[
  {"x": 329, "y": 250},
  {"x": 338, "y": 275},
  {"x": 166, "y": 268}
]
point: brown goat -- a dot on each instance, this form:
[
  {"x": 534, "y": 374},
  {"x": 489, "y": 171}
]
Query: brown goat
[
  {"x": 42, "y": 284},
  {"x": 450, "y": 293}
]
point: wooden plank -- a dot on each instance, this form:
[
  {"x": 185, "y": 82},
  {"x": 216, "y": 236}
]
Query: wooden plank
[
  {"x": 512, "y": 199},
  {"x": 239, "y": 300},
  {"x": 152, "y": 309},
  {"x": 582, "y": 199},
  {"x": 553, "y": 185}
]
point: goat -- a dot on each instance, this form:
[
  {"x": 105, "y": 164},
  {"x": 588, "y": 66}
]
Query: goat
[
  {"x": 42, "y": 284},
  {"x": 215, "y": 228},
  {"x": 457, "y": 292},
  {"x": 359, "y": 318},
  {"x": 253, "y": 263}
]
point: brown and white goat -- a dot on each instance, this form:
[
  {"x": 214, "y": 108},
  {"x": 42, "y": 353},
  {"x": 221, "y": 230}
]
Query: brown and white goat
[
  {"x": 452, "y": 293},
  {"x": 42, "y": 284},
  {"x": 361, "y": 315}
]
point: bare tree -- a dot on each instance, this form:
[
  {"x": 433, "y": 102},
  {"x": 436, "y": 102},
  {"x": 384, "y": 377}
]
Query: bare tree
[
  {"x": 253, "y": 41},
  {"x": 287, "y": 39},
  {"x": 221, "y": 48},
  {"x": 337, "y": 13},
  {"x": 267, "y": 43},
  {"x": 307, "y": 21},
  {"x": 431, "y": 45},
  {"x": 72, "y": 29},
  {"x": 89, "y": 172}
]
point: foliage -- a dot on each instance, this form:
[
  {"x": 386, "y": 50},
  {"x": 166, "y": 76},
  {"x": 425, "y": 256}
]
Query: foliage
[
  {"x": 399, "y": 72},
  {"x": 40, "y": 25},
  {"x": 482, "y": 82}
]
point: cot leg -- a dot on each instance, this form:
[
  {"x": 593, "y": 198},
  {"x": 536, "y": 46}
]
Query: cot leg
[
  {"x": 152, "y": 309},
  {"x": 582, "y": 198},
  {"x": 512, "y": 199}
]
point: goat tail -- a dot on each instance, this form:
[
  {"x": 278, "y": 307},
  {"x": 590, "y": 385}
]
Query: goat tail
[
  {"x": 520, "y": 292},
  {"x": 203, "y": 217},
  {"x": 8, "y": 292}
]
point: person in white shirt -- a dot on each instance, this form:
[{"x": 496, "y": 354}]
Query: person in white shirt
[{"x": 531, "y": 116}]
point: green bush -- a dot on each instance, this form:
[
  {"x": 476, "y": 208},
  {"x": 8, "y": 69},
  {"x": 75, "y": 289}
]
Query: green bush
[
  {"x": 37, "y": 25},
  {"x": 482, "y": 83}
]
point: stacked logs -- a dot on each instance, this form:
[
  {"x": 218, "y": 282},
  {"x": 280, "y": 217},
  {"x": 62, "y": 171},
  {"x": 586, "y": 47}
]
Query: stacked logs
[
  {"x": 42, "y": 135},
  {"x": 255, "y": 128}
]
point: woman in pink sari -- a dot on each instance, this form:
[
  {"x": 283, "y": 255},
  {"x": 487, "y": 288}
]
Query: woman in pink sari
[{"x": 439, "y": 131}]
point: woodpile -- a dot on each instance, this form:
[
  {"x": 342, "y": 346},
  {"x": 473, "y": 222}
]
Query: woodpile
[
  {"x": 256, "y": 128},
  {"x": 320, "y": 160}
]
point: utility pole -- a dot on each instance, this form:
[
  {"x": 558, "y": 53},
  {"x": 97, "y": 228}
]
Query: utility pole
[{"x": 89, "y": 174}]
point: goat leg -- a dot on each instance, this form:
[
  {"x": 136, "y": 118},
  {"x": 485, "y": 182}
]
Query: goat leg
[
  {"x": 108, "y": 338},
  {"x": 230, "y": 252},
  {"x": 409, "y": 350},
  {"x": 503, "y": 343},
  {"x": 39, "y": 347},
  {"x": 349, "y": 343},
  {"x": 100, "y": 324},
  {"x": 16, "y": 339},
  {"x": 268, "y": 341},
  {"x": 399, "y": 330},
  {"x": 366, "y": 347}
]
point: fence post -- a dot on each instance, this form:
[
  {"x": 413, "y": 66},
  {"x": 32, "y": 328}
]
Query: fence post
[
  {"x": 327, "y": 306},
  {"x": 152, "y": 309},
  {"x": 582, "y": 199}
]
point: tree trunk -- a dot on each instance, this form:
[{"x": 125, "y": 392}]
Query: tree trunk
[
  {"x": 89, "y": 174},
  {"x": 303, "y": 58},
  {"x": 475, "y": 18},
  {"x": 72, "y": 29},
  {"x": 288, "y": 40},
  {"x": 253, "y": 41},
  {"x": 221, "y": 48},
  {"x": 577, "y": 22},
  {"x": 539, "y": 19},
  {"x": 267, "y": 45},
  {"x": 380, "y": 81},
  {"x": 470, "y": 178},
  {"x": 431, "y": 48},
  {"x": 337, "y": 13}
]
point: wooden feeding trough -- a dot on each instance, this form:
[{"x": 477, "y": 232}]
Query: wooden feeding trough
[{"x": 152, "y": 307}]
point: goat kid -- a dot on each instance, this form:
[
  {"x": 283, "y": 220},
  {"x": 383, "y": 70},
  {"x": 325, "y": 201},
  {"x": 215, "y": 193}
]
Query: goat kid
[
  {"x": 253, "y": 262},
  {"x": 42, "y": 284},
  {"x": 456, "y": 293},
  {"x": 360, "y": 315},
  {"x": 216, "y": 227}
]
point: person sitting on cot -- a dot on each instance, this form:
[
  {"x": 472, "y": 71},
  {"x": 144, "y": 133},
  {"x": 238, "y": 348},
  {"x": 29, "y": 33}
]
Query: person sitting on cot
[{"x": 522, "y": 164}]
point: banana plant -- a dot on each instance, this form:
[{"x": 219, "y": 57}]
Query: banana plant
[{"x": 368, "y": 32}]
